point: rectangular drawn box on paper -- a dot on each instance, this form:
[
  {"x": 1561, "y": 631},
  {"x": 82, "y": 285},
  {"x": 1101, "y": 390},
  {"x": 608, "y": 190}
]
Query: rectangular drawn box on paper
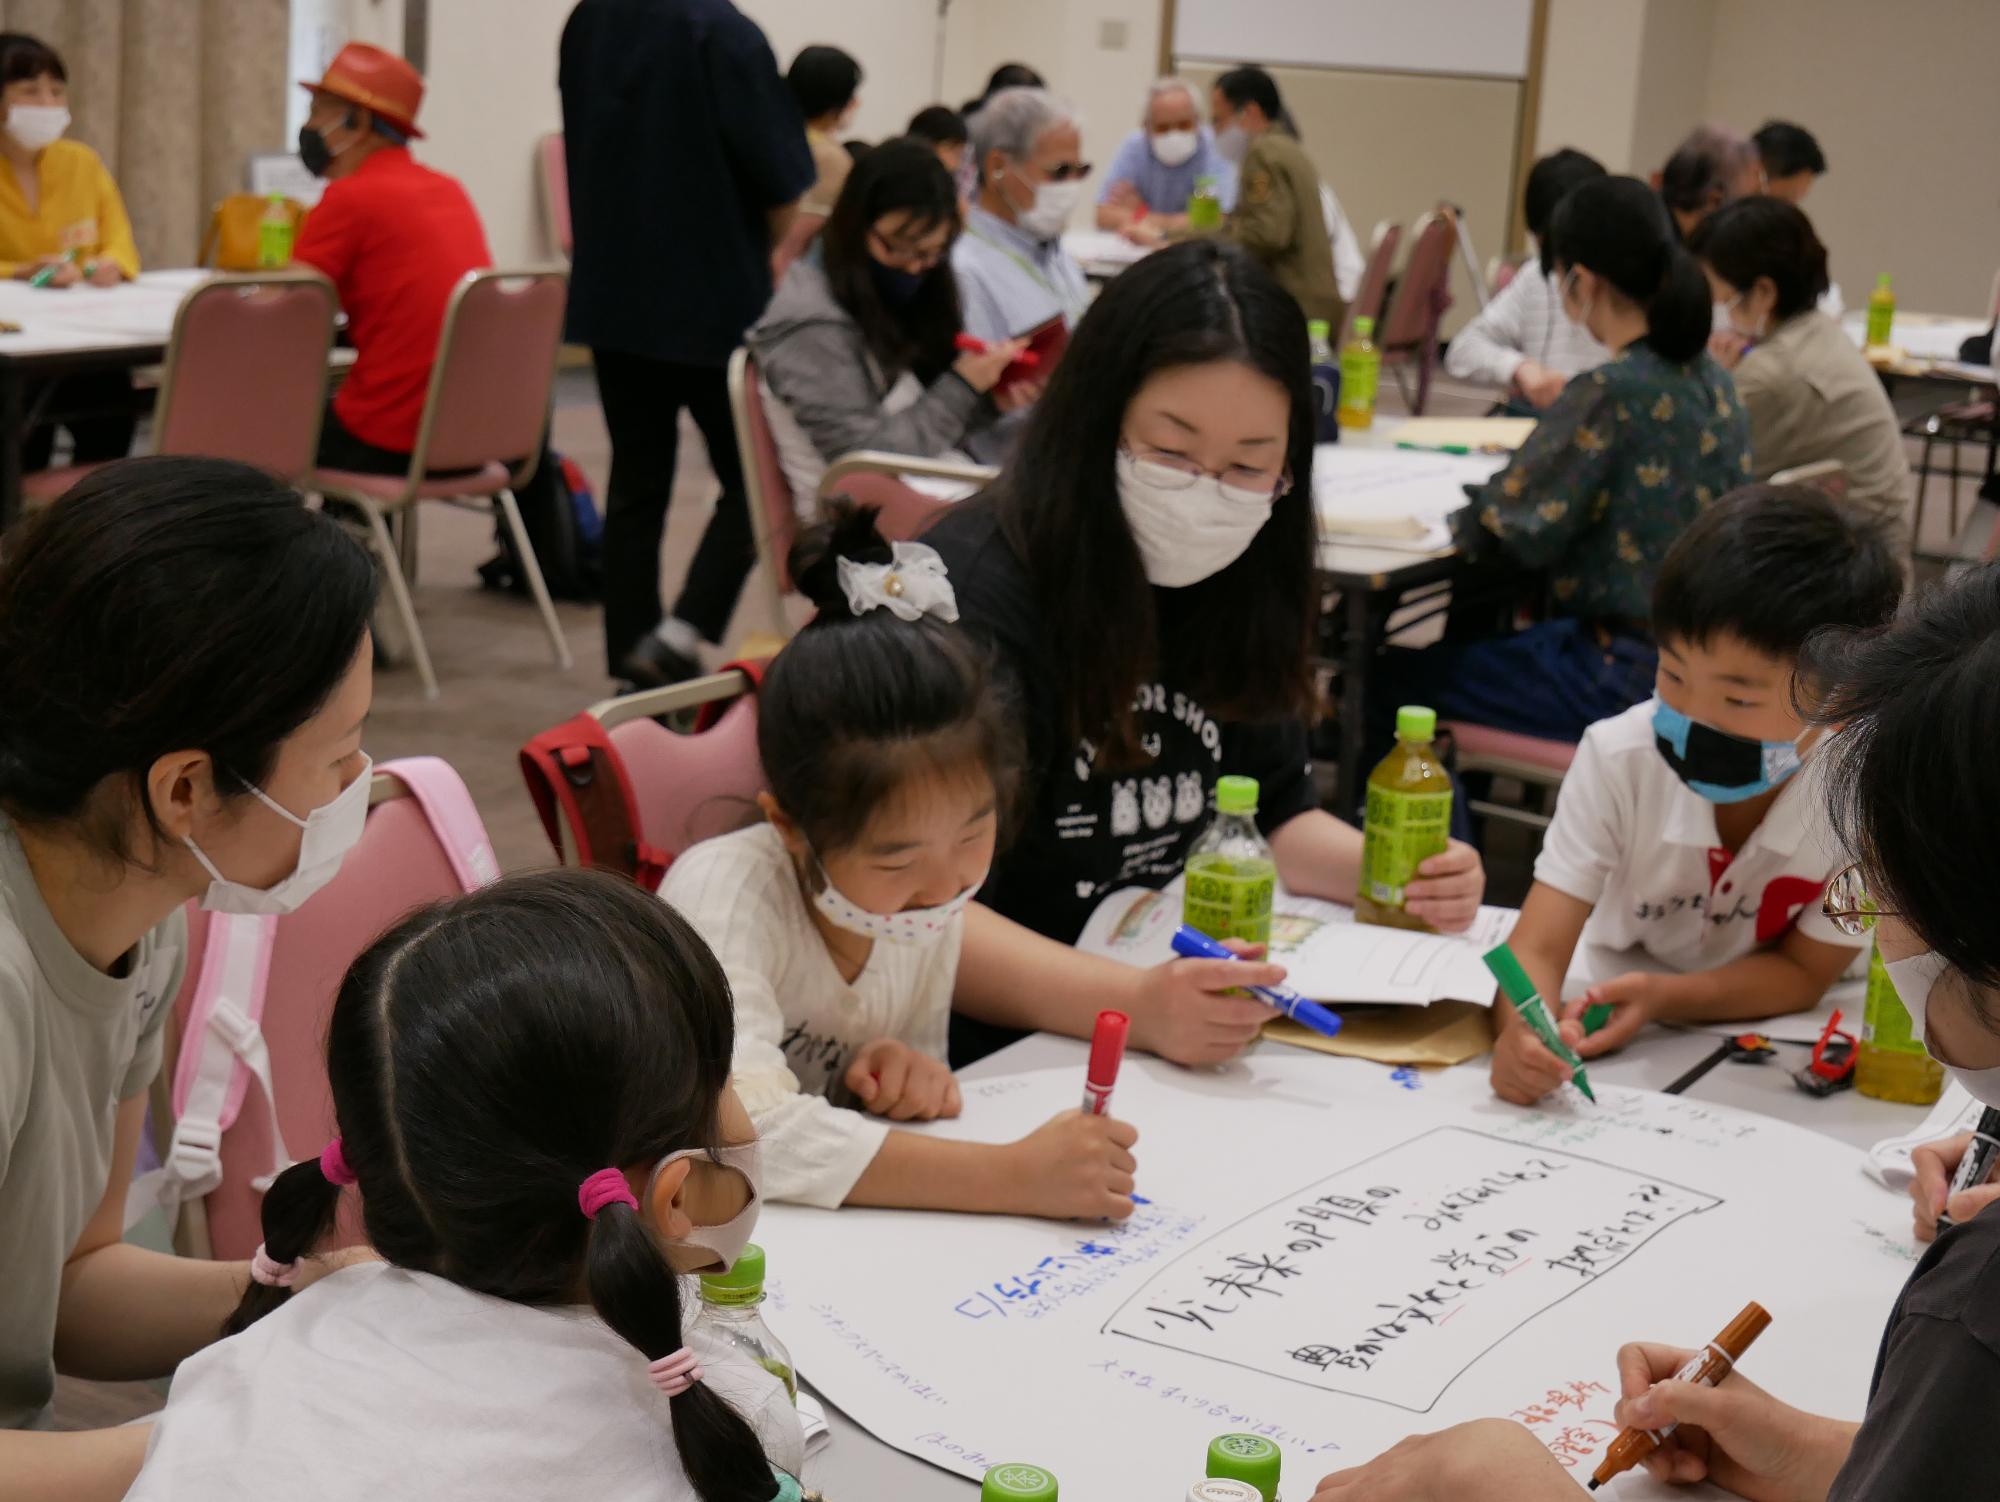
[{"x": 1391, "y": 1277}]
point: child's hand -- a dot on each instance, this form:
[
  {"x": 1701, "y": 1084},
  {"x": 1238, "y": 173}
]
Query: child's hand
[
  {"x": 894, "y": 1080},
  {"x": 1635, "y": 1001},
  {"x": 1936, "y": 1164},
  {"x": 1447, "y": 892},
  {"x": 1073, "y": 1167},
  {"x": 1183, "y": 1010},
  {"x": 1523, "y": 1068}
]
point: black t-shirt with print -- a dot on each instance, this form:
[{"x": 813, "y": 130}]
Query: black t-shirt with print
[
  {"x": 1083, "y": 834},
  {"x": 1934, "y": 1403}
]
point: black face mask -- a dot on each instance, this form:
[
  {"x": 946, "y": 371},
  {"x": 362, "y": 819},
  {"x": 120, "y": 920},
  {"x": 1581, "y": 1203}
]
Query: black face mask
[
  {"x": 896, "y": 285},
  {"x": 314, "y": 154}
]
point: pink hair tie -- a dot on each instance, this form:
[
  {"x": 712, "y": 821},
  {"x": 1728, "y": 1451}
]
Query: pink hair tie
[
  {"x": 675, "y": 1374},
  {"x": 605, "y": 1187},
  {"x": 271, "y": 1274},
  {"x": 333, "y": 1163}
]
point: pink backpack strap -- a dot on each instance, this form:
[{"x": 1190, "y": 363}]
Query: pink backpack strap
[
  {"x": 442, "y": 795},
  {"x": 222, "y": 1050}
]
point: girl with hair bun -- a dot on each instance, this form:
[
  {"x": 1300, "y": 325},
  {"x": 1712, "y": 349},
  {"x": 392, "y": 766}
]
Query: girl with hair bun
[{"x": 892, "y": 755}]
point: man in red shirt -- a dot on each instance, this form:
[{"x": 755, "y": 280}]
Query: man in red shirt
[{"x": 394, "y": 238}]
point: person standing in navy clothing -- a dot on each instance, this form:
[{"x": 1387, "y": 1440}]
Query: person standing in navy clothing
[{"x": 686, "y": 159}]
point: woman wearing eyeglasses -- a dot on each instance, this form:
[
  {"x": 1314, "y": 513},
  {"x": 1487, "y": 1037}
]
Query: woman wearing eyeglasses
[
  {"x": 857, "y": 349},
  {"x": 1913, "y": 790},
  {"x": 1145, "y": 572}
]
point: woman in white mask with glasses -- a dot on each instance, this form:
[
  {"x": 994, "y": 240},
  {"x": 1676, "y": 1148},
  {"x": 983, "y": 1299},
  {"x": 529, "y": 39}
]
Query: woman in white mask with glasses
[
  {"x": 1912, "y": 791},
  {"x": 1145, "y": 571},
  {"x": 184, "y": 660}
]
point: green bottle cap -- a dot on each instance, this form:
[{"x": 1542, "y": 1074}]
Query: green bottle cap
[
  {"x": 1017, "y": 1482},
  {"x": 1319, "y": 328},
  {"x": 1416, "y": 723},
  {"x": 1236, "y": 795},
  {"x": 1246, "y": 1457},
  {"x": 742, "y": 1284},
  {"x": 1882, "y": 279},
  {"x": 1363, "y": 327}
]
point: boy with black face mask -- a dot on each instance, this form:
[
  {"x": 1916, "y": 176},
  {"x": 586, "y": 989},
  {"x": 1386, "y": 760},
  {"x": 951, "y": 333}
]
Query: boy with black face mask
[{"x": 1689, "y": 835}]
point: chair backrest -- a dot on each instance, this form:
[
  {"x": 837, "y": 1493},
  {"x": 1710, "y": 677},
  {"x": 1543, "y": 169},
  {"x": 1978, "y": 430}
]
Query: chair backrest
[
  {"x": 690, "y": 787},
  {"x": 1375, "y": 278},
  {"x": 400, "y": 863},
  {"x": 552, "y": 167},
  {"x": 1828, "y": 475},
  {"x": 903, "y": 511},
  {"x": 769, "y": 492},
  {"x": 1411, "y": 319},
  {"x": 496, "y": 361},
  {"x": 246, "y": 370}
]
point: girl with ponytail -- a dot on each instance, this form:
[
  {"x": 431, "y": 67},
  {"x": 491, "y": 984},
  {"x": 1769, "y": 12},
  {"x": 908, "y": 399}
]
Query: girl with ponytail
[
  {"x": 530, "y": 1086},
  {"x": 1612, "y": 474}
]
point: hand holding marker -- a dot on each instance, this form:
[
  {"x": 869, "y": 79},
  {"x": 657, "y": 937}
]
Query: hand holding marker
[
  {"x": 1517, "y": 988},
  {"x": 1705, "y": 1368},
  {"x": 1977, "y": 1165},
  {"x": 1192, "y": 943}
]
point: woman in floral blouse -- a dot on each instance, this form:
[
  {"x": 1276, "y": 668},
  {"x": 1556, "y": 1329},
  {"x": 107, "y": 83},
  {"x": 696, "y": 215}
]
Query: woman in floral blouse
[{"x": 1613, "y": 472}]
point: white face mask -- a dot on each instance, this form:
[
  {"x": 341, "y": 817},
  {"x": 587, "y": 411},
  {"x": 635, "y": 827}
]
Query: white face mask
[
  {"x": 331, "y": 830},
  {"x": 1914, "y": 979},
  {"x": 1728, "y": 311},
  {"x": 1233, "y": 141},
  {"x": 1186, "y": 531},
  {"x": 1563, "y": 289},
  {"x": 37, "y": 125},
  {"x": 920, "y": 927},
  {"x": 1173, "y": 147},
  {"x": 725, "y": 1242},
  {"x": 1048, "y": 215}
]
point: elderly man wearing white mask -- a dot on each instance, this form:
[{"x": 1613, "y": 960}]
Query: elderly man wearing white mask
[
  {"x": 1154, "y": 173},
  {"x": 1013, "y": 273}
]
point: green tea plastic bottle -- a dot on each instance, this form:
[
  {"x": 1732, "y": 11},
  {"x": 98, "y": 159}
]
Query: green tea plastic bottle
[
  {"x": 1231, "y": 877},
  {"x": 1249, "y": 1458},
  {"x": 1407, "y": 822},
  {"x": 1891, "y": 1064},
  {"x": 1204, "y": 208},
  {"x": 1360, "y": 368},
  {"x": 729, "y": 1304},
  {"x": 1881, "y": 312},
  {"x": 274, "y": 234},
  {"x": 1017, "y": 1481}
]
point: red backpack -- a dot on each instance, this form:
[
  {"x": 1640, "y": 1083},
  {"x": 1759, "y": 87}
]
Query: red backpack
[{"x": 581, "y": 788}]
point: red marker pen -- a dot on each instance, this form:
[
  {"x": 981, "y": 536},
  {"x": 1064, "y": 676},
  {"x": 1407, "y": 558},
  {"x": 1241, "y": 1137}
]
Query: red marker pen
[{"x": 1107, "y": 1051}]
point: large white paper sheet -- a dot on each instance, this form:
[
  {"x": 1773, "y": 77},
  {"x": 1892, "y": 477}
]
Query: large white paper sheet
[
  {"x": 1337, "y": 1256},
  {"x": 1393, "y": 498}
]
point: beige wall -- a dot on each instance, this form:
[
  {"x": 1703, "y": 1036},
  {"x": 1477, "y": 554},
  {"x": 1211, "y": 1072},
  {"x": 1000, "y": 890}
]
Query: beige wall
[
  {"x": 1904, "y": 100},
  {"x": 1590, "y": 77}
]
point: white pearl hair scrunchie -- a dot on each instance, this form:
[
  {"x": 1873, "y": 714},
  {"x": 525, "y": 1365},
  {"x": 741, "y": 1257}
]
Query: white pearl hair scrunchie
[{"x": 910, "y": 586}]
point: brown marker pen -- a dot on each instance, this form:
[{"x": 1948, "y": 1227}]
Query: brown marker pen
[{"x": 1706, "y": 1367}]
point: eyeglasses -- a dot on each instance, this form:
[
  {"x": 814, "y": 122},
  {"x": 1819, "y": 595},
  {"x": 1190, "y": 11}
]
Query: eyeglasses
[
  {"x": 904, "y": 257},
  {"x": 1177, "y": 472},
  {"x": 1847, "y": 905},
  {"x": 1066, "y": 172}
]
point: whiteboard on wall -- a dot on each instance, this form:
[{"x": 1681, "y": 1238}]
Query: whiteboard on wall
[{"x": 1484, "y": 38}]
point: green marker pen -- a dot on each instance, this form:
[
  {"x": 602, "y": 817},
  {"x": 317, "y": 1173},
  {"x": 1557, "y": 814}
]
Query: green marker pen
[
  {"x": 1517, "y": 988},
  {"x": 47, "y": 274},
  {"x": 1437, "y": 448}
]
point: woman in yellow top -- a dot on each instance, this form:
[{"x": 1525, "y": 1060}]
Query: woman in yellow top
[{"x": 61, "y": 220}]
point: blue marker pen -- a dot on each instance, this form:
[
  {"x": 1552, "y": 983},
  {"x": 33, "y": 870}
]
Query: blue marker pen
[{"x": 1193, "y": 944}]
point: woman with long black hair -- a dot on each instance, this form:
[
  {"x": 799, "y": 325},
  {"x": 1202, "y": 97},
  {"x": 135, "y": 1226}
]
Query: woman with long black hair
[
  {"x": 857, "y": 349},
  {"x": 1145, "y": 571}
]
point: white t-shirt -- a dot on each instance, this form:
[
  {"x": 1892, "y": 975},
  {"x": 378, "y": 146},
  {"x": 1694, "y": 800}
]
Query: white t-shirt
[
  {"x": 381, "y": 1382},
  {"x": 798, "y": 1024},
  {"x": 1631, "y": 839}
]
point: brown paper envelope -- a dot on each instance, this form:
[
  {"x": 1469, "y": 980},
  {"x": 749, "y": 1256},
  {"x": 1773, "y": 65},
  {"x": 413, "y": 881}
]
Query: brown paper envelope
[{"x": 1445, "y": 1032}]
